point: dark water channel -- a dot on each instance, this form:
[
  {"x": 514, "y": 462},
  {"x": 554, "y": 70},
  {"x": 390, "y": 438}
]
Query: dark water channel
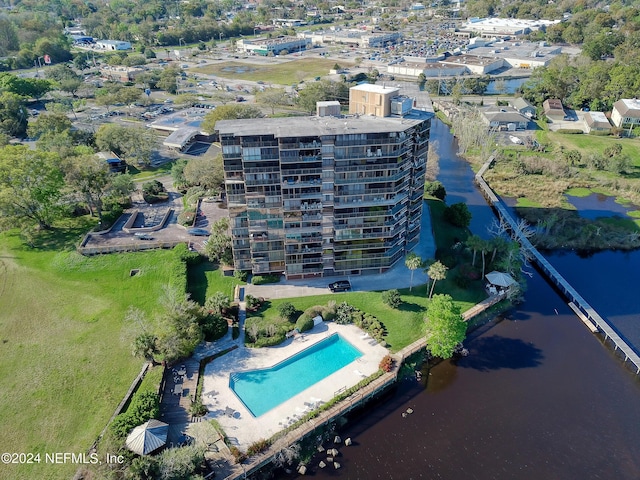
[
  {"x": 596, "y": 206},
  {"x": 539, "y": 396}
]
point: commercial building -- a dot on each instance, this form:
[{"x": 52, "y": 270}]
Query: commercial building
[
  {"x": 355, "y": 38},
  {"x": 119, "y": 73},
  {"x": 505, "y": 27},
  {"x": 113, "y": 45},
  {"x": 475, "y": 64},
  {"x": 327, "y": 195},
  {"x": 528, "y": 55},
  {"x": 429, "y": 70},
  {"x": 273, "y": 46}
]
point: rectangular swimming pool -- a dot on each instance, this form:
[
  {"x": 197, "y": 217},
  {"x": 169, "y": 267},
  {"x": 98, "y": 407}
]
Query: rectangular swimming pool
[{"x": 263, "y": 389}]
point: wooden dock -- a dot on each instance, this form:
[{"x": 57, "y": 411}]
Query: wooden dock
[{"x": 581, "y": 305}]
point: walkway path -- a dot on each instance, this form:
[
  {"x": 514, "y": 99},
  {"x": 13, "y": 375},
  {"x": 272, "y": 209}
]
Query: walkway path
[{"x": 176, "y": 398}]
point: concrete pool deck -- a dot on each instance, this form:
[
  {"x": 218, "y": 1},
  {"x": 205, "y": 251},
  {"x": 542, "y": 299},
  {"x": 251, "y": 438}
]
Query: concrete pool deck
[{"x": 240, "y": 426}]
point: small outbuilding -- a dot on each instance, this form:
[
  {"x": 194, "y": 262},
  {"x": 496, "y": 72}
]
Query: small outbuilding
[
  {"x": 553, "y": 109},
  {"x": 597, "y": 122},
  {"x": 498, "y": 282},
  {"x": 524, "y": 107},
  {"x": 148, "y": 437},
  {"x": 505, "y": 118}
]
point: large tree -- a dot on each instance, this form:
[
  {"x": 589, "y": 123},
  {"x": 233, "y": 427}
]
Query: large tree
[
  {"x": 272, "y": 98},
  {"x": 30, "y": 187},
  {"x": 204, "y": 172},
  {"x": 89, "y": 177},
  {"x": 445, "y": 327},
  {"x": 218, "y": 247},
  {"x": 13, "y": 115},
  {"x": 127, "y": 142},
  {"x": 49, "y": 123},
  {"x": 66, "y": 78},
  {"x": 25, "y": 87}
]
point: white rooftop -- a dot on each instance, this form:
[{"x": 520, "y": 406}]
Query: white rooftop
[{"x": 370, "y": 87}]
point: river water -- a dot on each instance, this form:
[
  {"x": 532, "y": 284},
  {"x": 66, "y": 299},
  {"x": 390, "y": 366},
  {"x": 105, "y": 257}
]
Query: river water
[{"x": 539, "y": 396}]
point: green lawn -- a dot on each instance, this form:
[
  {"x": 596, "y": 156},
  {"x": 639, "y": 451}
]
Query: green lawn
[
  {"x": 66, "y": 361},
  {"x": 287, "y": 73},
  {"x": 591, "y": 143},
  {"x": 403, "y": 325},
  {"x": 151, "y": 172},
  {"x": 205, "y": 279}
]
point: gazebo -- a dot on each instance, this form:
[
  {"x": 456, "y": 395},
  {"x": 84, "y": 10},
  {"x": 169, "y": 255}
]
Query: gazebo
[
  {"x": 499, "y": 281},
  {"x": 148, "y": 437}
]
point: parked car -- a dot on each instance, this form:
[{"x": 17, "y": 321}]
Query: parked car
[
  {"x": 198, "y": 232},
  {"x": 340, "y": 286},
  {"x": 143, "y": 236}
]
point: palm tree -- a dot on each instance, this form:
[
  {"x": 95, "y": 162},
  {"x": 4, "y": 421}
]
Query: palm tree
[
  {"x": 474, "y": 242},
  {"x": 217, "y": 303},
  {"x": 499, "y": 245},
  {"x": 437, "y": 271},
  {"x": 412, "y": 262},
  {"x": 485, "y": 247}
]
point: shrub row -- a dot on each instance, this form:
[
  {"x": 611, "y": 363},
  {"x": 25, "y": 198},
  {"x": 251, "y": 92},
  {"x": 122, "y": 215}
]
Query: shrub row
[
  {"x": 327, "y": 312},
  {"x": 571, "y": 131},
  {"x": 262, "y": 279},
  {"x": 144, "y": 406}
]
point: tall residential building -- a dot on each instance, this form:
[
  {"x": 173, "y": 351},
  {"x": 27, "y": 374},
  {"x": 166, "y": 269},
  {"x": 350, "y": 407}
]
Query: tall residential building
[{"x": 327, "y": 195}]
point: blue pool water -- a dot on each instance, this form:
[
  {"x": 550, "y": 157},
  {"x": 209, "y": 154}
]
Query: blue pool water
[{"x": 261, "y": 390}]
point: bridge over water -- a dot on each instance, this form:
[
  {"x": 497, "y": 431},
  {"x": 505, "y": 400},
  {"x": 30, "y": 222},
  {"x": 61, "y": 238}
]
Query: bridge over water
[{"x": 580, "y": 306}]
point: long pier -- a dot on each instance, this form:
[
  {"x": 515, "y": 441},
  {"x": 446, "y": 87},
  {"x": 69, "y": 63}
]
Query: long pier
[{"x": 579, "y": 303}]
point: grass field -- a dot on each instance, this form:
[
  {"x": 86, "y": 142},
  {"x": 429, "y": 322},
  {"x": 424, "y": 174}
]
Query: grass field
[
  {"x": 205, "y": 279},
  {"x": 66, "y": 361},
  {"x": 286, "y": 73},
  {"x": 590, "y": 143}
]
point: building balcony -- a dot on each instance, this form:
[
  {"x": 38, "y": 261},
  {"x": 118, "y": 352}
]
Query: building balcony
[
  {"x": 371, "y": 141},
  {"x": 290, "y": 183},
  {"x": 361, "y": 178},
  {"x": 308, "y": 195},
  {"x": 284, "y": 160},
  {"x": 300, "y": 171},
  {"x": 301, "y": 249},
  {"x": 261, "y": 181},
  {"x": 342, "y": 235},
  {"x": 304, "y": 261}
]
